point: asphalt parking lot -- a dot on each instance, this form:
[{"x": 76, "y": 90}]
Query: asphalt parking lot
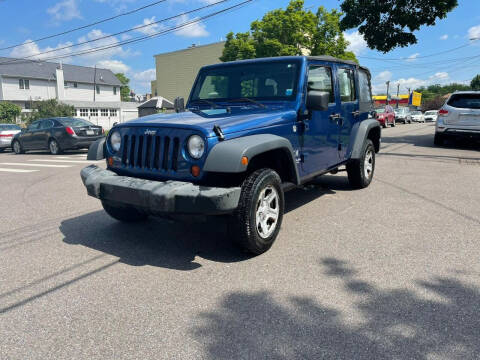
[{"x": 389, "y": 272}]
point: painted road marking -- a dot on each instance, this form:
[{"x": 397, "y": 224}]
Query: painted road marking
[
  {"x": 68, "y": 161},
  {"x": 17, "y": 170},
  {"x": 37, "y": 165}
]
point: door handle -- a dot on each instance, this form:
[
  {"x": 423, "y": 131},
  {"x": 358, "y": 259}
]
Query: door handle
[
  {"x": 334, "y": 117},
  {"x": 355, "y": 113}
]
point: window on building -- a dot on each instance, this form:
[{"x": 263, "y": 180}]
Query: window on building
[
  {"x": 28, "y": 105},
  {"x": 114, "y": 90},
  {"x": 75, "y": 85},
  {"x": 21, "y": 84},
  {"x": 65, "y": 84},
  {"x": 113, "y": 112},
  {"x": 98, "y": 88},
  {"x": 84, "y": 112},
  {"x": 93, "y": 112},
  {"x": 104, "y": 112},
  {"x": 27, "y": 84}
]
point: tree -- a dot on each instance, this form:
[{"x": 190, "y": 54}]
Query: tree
[
  {"x": 49, "y": 108},
  {"x": 387, "y": 24},
  {"x": 9, "y": 112},
  {"x": 293, "y": 31},
  {"x": 475, "y": 83},
  {"x": 433, "y": 91},
  {"x": 124, "y": 89}
]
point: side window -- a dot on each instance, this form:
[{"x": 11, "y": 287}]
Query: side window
[
  {"x": 34, "y": 126},
  {"x": 364, "y": 86},
  {"x": 346, "y": 82},
  {"x": 320, "y": 79},
  {"x": 46, "y": 124}
]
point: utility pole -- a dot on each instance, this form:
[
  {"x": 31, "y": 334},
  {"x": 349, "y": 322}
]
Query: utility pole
[
  {"x": 398, "y": 92},
  {"x": 94, "y": 83},
  {"x": 388, "y": 87}
]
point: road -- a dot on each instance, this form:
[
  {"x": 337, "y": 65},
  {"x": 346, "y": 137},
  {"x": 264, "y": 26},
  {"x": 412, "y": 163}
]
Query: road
[{"x": 391, "y": 271}]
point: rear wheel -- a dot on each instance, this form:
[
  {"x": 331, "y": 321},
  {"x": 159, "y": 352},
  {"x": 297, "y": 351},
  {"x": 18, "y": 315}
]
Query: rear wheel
[
  {"x": 123, "y": 213},
  {"x": 257, "y": 220},
  {"x": 54, "y": 147},
  {"x": 360, "y": 171},
  {"x": 17, "y": 148}
]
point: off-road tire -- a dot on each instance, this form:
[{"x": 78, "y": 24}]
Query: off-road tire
[
  {"x": 17, "y": 149},
  {"x": 123, "y": 213},
  {"x": 54, "y": 147},
  {"x": 243, "y": 222},
  {"x": 356, "y": 168},
  {"x": 438, "y": 139}
]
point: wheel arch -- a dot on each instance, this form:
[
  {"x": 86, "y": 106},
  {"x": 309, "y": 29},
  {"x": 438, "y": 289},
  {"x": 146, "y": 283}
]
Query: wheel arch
[{"x": 366, "y": 129}]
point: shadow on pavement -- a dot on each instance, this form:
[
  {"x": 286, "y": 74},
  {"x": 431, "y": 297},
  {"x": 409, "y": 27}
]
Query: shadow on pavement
[
  {"x": 426, "y": 140},
  {"x": 396, "y": 324}
]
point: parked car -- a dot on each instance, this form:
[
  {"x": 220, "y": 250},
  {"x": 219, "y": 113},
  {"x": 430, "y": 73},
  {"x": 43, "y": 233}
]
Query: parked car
[
  {"x": 431, "y": 115},
  {"x": 57, "y": 135},
  {"x": 7, "y": 131},
  {"x": 417, "y": 116},
  {"x": 386, "y": 116},
  {"x": 459, "y": 117},
  {"x": 403, "y": 115},
  {"x": 253, "y": 129}
]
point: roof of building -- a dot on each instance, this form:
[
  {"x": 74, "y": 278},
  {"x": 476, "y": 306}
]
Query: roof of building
[
  {"x": 47, "y": 70},
  {"x": 157, "y": 102},
  {"x": 102, "y": 104}
]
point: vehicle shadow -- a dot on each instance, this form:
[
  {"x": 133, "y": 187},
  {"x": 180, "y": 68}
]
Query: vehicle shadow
[
  {"x": 395, "y": 323},
  {"x": 426, "y": 140}
]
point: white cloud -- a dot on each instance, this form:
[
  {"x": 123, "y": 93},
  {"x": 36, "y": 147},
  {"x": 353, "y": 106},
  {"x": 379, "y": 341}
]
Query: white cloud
[
  {"x": 124, "y": 37},
  {"x": 111, "y": 43},
  {"x": 444, "y": 37},
  {"x": 31, "y": 50},
  {"x": 193, "y": 30},
  {"x": 64, "y": 11},
  {"x": 116, "y": 66},
  {"x": 379, "y": 86},
  {"x": 148, "y": 27},
  {"x": 474, "y": 32},
  {"x": 383, "y": 76},
  {"x": 413, "y": 57},
  {"x": 357, "y": 43},
  {"x": 140, "y": 81}
]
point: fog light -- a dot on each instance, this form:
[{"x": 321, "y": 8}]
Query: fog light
[{"x": 195, "y": 170}]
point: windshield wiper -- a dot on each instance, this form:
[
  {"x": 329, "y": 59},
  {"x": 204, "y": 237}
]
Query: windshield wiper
[
  {"x": 211, "y": 103},
  {"x": 248, "y": 99}
]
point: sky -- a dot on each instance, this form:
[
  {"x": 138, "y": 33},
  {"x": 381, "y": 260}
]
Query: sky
[{"x": 443, "y": 54}]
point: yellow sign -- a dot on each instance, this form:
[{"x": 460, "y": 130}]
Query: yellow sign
[{"x": 416, "y": 99}]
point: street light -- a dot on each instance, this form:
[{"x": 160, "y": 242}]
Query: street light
[{"x": 388, "y": 86}]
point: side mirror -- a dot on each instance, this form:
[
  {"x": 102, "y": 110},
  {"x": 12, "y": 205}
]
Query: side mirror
[
  {"x": 179, "y": 104},
  {"x": 318, "y": 100}
]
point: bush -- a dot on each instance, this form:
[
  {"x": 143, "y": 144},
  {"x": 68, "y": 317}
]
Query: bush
[
  {"x": 49, "y": 108},
  {"x": 9, "y": 112}
]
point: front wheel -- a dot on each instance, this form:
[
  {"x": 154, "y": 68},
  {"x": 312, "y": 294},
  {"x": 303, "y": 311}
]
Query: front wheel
[
  {"x": 257, "y": 220},
  {"x": 123, "y": 213},
  {"x": 54, "y": 147},
  {"x": 360, "y": 171},
  {"x": 17, "y": 148}
]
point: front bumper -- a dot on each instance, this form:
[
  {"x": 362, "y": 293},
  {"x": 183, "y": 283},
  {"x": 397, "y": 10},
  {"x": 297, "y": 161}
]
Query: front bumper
[{"x": 158, "y": 197}]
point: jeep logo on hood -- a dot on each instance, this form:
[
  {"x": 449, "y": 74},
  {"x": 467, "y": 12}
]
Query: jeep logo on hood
[{"x": 150, "y": 132}]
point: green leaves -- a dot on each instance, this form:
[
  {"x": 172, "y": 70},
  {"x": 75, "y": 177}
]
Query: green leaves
[
  {"x": 475, "y": 83},
  {"x": 387, "y": 24},
  {"x": 49, "y": 108},
  {"x": 124, "y": 89},
  {"x": 9, "y": 112},
  {"x": 290, "y": 32}
]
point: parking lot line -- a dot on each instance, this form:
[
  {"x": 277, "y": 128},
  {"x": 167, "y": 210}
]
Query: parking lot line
[
  {"x": 67, "y": 161},
  {"x": 37, "y": 165},
  {"x": 17, "y": 170}
]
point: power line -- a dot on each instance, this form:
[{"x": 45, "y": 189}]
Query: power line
[
  {"x": 86, "y": 26},
  {"x": 147, "y": 37},
  {"x": 115, "y": 34}
]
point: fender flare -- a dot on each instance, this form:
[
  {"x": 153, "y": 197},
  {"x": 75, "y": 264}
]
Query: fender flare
[
  {"x": 226, "y": 156},
  {"x": 360, "y": 133},
  {"x": 96, "y": 151}
]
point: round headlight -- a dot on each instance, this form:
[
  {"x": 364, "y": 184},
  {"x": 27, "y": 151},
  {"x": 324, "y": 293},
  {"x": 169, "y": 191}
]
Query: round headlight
[
  {"x": 196, "y": 146},
  {"x": 115, "y": 140}
]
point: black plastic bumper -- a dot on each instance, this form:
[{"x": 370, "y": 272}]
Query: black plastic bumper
[{"x": 157, "y": 197}]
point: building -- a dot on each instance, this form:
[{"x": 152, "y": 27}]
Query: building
[
  {"x": 176, "y": 71},
  {"x": 381, "y": 100},
  {"x": 94, "y": 92},
  {"x": 154, "y": 106}
]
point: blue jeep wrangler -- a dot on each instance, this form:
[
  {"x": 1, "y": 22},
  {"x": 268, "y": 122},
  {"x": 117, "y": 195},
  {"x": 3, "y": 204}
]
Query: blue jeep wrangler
[{"x": 250, "y": 131}]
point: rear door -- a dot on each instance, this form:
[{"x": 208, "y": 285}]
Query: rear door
[
  {"x": 349, "y": 106},
  {"x": 43, "y": 134},
  {"x": 464, "y": 110}
]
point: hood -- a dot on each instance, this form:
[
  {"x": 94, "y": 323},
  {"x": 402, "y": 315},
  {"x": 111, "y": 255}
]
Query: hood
[{"x": 230, "y": 122}]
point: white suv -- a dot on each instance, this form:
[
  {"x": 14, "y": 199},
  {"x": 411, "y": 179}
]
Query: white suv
[{"x": 459, "y": 117}]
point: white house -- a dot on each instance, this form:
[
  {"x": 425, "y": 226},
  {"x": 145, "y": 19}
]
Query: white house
[{"x": 94, "y": 92}]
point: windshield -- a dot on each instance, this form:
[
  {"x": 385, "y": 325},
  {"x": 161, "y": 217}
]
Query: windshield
[
  {"x": 259, "y": 81},
  {"x": 75, "y": 122},
  {"x": 380, "y": 111},
  {"x": 5, "y": 127},
  {"x": 399, "y": 110},
  {"x": 417, "y": 113}
]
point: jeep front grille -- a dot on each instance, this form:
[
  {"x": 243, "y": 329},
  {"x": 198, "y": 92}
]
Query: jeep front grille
[{"x": 150, "y": 152}]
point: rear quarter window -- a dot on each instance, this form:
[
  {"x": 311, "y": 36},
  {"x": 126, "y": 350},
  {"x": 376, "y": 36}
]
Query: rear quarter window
[{"x": 466, "y": 101}]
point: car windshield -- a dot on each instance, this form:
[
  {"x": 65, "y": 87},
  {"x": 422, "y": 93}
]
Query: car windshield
[
  {"x": 380, "y": 111},
  {"x": 9, "y": 127},
  {"x": 465, "y": 101},
  {"x": 417, "y": 113},
  {"x": 258, "y": 81},
  {"x": 75, "y": 122},
  {"x": 431, "y": 113}
]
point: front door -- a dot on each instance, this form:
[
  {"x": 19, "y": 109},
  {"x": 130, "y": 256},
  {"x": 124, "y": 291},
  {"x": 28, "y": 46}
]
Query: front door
[
  {"x": 319, "y": 136},
  {"x": 28, "y": 138},
  {"x": 349, "y": 106}
]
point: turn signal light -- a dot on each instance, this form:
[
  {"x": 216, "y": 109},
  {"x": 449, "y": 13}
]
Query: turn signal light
[
  {"x": 195, "y": 170},
  {"x": 110, "y": 161},
  {"x": 244, "y": 160},
  {"x": 443, "y": 112},
  {"x": 69, "y": 130}
]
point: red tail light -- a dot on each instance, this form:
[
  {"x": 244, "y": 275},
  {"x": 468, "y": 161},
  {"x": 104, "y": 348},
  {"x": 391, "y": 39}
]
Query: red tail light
[
  {"x": 70, "y": 130},
  {"x": 442, "y": 112},
  {"x": 7, "y": 135}
]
